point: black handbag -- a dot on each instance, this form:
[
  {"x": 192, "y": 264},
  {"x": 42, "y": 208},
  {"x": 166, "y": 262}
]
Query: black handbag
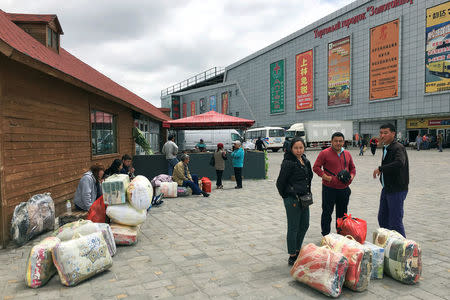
[
  {"x": 343, "y": 175},
  {"x": 305, "y": 200}
]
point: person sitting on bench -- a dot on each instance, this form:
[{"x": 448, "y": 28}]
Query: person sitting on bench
[
  {"x": 89, "y": 188},
  {"x": 182, "y": 176}
]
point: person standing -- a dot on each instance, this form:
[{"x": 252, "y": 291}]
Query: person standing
[
  {"x": 394, "y": 178},
  {"x": 238, "y": 163},
  {"x": 362, "y": 145},
  {"x": 356, "y": 139},
  {"x": 440, "y": 140},
  {"x": 259, "y": 144},
  {"x": 418, "y": 142},
  {"x": 220, "y": 155},
  {"x": 295, "y": 180},
  {"x": 373, "y": 145},
  {"x": 330, "y": 163},
  {"x": 170, "y": 149}
]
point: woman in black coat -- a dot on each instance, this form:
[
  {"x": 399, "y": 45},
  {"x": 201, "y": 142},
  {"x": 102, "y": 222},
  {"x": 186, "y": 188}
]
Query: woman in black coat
[
  {"x": 295, "y": 179},
  {"x": 115, "y": 168}
]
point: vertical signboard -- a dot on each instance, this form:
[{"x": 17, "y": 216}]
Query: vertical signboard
[
  {"x": 212, "y": 103},
  {"x": 339, "y": 72},
  {"x": 437, "y": 56},
  {"x": 277, "y": 87},
  {"x": 192, "y": 108},
  {"x": 304, "y": 81},
  {"x": 384, "y": 66},
  {"x": 202, "y": 105},
  {"x": 184, "y": 110},
  {"x": 176, "y": 107},
  {"x": 225, "y": 103}
]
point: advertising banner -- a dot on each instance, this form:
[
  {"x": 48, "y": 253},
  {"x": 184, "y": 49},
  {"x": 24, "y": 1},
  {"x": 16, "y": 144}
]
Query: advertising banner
[
  {"x": 304, "y": 81},
  {"x": 176, "y": 107},
  {"x": 384, "y": 55},
  {"x": 339, "y": 72},
  {"x": 212, "y": 103},
  {"x": 437, "y": 56},
  {"x": 184, "y": 110},
  {"x": 202, "y": 105},
  {"x": 192, "y": 108},
  {"x": 225, "y": 103},
  {"x": 277, "y": 87}
]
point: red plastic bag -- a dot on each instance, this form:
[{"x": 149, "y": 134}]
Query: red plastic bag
[
  {"x": 206, "y": 184},
  {"x": 97, "y": 212},
  {"x": 355, "y": 227}
]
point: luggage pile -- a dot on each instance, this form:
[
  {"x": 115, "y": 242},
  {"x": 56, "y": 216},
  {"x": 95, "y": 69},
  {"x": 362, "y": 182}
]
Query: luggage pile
[{"x": 163, "y": 184}]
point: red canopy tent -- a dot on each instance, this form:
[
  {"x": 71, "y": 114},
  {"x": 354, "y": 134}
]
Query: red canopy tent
[{"x": 209, "y": 120}]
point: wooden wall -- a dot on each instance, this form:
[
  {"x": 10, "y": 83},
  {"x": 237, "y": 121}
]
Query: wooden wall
[
  {"x": 45, "y": 134},
  {"x": 38, "y": 31}
]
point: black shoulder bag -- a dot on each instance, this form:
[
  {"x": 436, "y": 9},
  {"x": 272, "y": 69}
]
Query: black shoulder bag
[{"x": 343, "y": 175}]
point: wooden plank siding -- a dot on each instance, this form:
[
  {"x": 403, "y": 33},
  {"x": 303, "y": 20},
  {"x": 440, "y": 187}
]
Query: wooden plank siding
[{"x": 45, "y": 136}]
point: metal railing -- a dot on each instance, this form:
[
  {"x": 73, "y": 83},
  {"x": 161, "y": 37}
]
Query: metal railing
[{"x": 211, "y": 73}]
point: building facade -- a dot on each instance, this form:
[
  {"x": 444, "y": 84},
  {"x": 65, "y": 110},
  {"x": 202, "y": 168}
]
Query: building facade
[{"x": 370, "y": 62}]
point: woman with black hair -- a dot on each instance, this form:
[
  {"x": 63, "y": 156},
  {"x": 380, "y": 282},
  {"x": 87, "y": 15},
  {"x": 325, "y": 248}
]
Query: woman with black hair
[
  {"x": 115, "y": 168},
  {"x": 89, "y": 188},
  {"x": 294, "y": 181}
]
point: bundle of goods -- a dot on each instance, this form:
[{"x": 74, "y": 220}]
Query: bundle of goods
[
  {"x": 114, "y": 189},
  {"x": 377, "y": 260},
  {"x": 40, "y": 267},
  {"x": 402, "y": 257},
  {"x": 184, "y": 191},
  {"x": 156, "y": 181},
  {"x": 169, "y": 189},
  {"x": 355, "y": 227},
  {"x": 140, "y": 192},
  {"x": 206, "y": 184},
  {"x": 79, "y": 259},
  {"x": 359, "y": 259},
  {"x": 125, "y": 214},
  {"x": 320, "y": 268},
  {"x": 85, "y": 227},
  {"x": 124, "y": 235},
  {"x": 32, "y": 218}
]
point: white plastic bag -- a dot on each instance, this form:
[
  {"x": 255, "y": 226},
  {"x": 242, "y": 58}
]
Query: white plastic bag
[
  {"x": 126, "y": 214},
  {"x": 140, "y": 192},
  {"x": 169, "y": 189}
]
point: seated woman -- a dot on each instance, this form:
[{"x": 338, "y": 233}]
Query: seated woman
[
  {"x": 182, "y": 176},
  {"x": 89, "y": 188},
  {"x": 115, "y": 168}
]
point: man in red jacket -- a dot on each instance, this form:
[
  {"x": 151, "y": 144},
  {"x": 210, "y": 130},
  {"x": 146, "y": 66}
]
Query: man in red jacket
[{"x": 328, "y": 164}]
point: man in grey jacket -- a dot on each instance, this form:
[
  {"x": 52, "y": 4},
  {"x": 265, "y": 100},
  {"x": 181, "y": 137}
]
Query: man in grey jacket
[{"x": 170, "y": 149}]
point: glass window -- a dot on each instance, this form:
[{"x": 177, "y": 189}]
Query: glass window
[
  {"x": 276, "y": 132},
  {"x": 54, "y": 38},
  {"x": 235, "y": 137},
  {"x": 49, "y": 37},
  {"x": 104, "y": 133}
]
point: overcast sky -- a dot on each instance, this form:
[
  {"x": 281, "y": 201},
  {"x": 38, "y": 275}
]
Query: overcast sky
[{"x": 147, "y": 46}]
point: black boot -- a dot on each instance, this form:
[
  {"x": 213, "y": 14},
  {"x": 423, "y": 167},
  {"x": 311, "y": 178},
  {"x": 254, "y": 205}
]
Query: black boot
[{"x": 205, "y": 194}]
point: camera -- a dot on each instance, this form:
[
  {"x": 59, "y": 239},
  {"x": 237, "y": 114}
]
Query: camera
[{"x": 344, "y": 176}]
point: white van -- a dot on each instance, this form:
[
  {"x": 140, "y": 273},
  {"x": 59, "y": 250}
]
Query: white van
[
  {"x": 273, "y": 137},
  {"x": 211, "y": 138}
]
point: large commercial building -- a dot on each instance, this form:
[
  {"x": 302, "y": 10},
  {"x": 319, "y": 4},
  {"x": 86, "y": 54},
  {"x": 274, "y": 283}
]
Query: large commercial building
[{"x": 369, "y": 62}]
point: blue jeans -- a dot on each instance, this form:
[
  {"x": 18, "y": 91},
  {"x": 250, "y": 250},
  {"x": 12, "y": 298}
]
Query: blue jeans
[
  {"x": 193, "y": 185},
  {"x": 170, "y": 164},
  {"x": 390, "y": 213}
]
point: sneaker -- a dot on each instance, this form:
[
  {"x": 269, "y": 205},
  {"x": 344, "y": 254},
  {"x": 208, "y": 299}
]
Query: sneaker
[
  {"x": 292, "y": 260},
  {"x": 220, "y": 187},
  {"x": 205, "y": 194},
  {"x": 157, "y": 200},
  {"x": 238, "y": 187}
]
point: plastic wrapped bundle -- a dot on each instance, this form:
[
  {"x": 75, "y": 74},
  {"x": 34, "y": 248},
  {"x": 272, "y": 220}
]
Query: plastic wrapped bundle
[
  {"x": 140, "y": 192},
  {"x": 184, "y": 191},
  {"x": 156, "y": 181},
  {"x": 114, "y": 189},
  {"x": 125, "y": 214},
  {"x": 169, "y": 189},
  {"x": 320, "y": 268},
  {"x": 79, "y": 259},
  {"x": 85, "y": 227},
  {"x": 359, "y": 260},
  {"x": 125, "y": 235},
  {"x": 40, "y": 267},
  {"x": 402, "y": 257},
  {"x": 33, "y": 217},
  {"x": 377, "y": 260}
]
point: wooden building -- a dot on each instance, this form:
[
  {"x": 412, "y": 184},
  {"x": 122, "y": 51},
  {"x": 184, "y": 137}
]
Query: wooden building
[{"x": 58, "y": 115}]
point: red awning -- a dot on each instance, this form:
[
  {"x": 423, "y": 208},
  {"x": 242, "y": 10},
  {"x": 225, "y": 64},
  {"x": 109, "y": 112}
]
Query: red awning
[{"x": 209, "y": 120}]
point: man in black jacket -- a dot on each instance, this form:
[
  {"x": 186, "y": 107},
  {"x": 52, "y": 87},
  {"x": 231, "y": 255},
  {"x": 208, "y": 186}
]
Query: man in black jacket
[{"x": 394, "y": 177}]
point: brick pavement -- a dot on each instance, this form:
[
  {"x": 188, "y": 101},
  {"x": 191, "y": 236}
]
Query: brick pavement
[{"x": 232, "y": 245}]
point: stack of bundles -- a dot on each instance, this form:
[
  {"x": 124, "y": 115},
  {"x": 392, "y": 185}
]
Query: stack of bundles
[
  {"x": 359, "y": 270},
  {"x": 402, "y": 257},
  {"x": 184, "y": 191},
  {"x": 81, "y": 258},
  {"x": 157, "y": 180},
  {"x": 33, "y": 217},
  {"x": 168, "y": 189},
  {"x": 125, "y": 235},
  {"x": 40, "y": 267},
  {"x": 377, "y": 260},
  {"x": 320, "y": 268},
  {"x": 85, "y": 227},
  {"x": 125, "y": 214},
  {"x": 114, "y": 189}
]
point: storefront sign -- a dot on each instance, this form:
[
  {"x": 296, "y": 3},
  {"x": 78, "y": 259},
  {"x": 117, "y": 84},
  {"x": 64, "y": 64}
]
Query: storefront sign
[
  {"x": 176, "y": 107},
  {"x": 212, "y": 103},
  {"x": 192, "y": 108},
  {"x": 184, "y": 110},
  {"x": 437, "y": 56},
  {"x": 277, "y": 87},
  {"x": 225, "y": 103},
  {"x": 339, "y": 72},
  {"x": 384, "y": 55},
  {"x": 304, "y": 80},
  {"x": 427, "y": 123}
]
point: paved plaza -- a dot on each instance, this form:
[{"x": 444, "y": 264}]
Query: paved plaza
[{"x": 232, "y": 245}]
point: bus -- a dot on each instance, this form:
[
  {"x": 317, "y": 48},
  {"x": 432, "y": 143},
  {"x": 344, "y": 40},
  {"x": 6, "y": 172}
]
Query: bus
[{"x": 273, "y": 137}]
